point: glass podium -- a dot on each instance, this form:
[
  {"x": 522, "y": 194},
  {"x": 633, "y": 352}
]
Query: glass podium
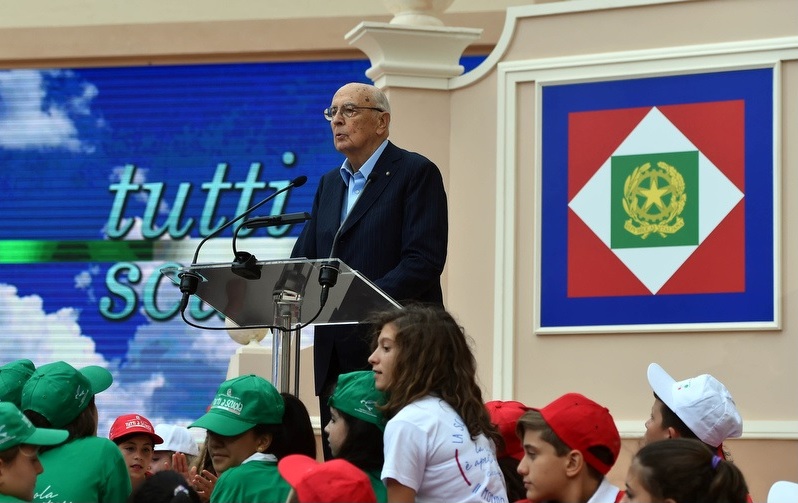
[{"x": 284, "y": 294}]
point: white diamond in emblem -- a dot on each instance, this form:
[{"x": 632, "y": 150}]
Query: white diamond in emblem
[{"x": 717, "y": 196}]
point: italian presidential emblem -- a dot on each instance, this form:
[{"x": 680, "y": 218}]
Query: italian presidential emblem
[
  {"x": 654, "y": 200},
  {"x": 657, "y": 204}
]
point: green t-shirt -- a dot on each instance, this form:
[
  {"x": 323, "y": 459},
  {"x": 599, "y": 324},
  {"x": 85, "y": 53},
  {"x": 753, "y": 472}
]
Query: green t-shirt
[
  {"x": 86, "y": 470},
  {"x": 5, "y": 498},
  {"x": 251, "y": 482},
  {"x": 379, "y": 488}
]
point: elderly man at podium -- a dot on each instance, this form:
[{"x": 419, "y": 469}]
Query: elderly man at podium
[{"x": 383, "y": 212}]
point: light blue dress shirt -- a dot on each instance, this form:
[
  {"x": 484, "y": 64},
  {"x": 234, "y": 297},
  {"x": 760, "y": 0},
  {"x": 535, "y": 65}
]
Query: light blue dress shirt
[{"x": 355, "y": 182}]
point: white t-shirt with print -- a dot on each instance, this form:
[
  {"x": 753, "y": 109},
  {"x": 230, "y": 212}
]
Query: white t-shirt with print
[{"x": 429, "y": 449}]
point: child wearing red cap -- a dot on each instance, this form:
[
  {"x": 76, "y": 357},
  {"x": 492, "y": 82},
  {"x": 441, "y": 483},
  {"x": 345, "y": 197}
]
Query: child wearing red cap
[
  {"x": 334, "y": 481},
  {"x": 505, "y": 415},
  {"x": 439, "y": 441},
  {"x": 569, "y": 446},
  {"x": 136, "y": 438},
  {"x": 85, "y": 468}
]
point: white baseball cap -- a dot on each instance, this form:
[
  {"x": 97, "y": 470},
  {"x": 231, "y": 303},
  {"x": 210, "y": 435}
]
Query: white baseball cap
[
  {"x": 703, "y": 403},
  {"x": 176, "y": 439}
]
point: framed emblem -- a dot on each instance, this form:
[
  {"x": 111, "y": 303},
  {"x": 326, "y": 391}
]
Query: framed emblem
[{"x": 657, "y": 204}]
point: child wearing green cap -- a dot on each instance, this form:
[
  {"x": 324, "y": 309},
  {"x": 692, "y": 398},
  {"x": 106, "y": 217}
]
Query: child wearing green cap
[
  {"x": 356, "y": 426},
  {"x": 250, "y": 426},
  {"x": 19, "y": 453},
  {"x": 85, "y": 468},
  {"x": 13, "y": 377}
]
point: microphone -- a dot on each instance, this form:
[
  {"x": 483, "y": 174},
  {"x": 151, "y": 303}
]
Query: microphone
[
  {"x": 189, "y": 281},
  {"x": 288, "y": 218},
  {"x": 328, "y": 272},
  {"x": 245, "y": 263}
]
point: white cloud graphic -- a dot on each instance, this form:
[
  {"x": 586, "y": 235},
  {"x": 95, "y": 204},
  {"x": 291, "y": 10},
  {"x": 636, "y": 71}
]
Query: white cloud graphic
[
  {"x": 169, "y": 367},
  {"x": 31, "y": 121}
]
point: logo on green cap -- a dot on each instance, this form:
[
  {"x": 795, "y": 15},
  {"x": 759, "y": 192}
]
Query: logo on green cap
[{"x": 228, "y": 402}]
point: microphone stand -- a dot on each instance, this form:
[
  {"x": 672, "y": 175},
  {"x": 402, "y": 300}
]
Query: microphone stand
[{"x": 189, "y": 280}]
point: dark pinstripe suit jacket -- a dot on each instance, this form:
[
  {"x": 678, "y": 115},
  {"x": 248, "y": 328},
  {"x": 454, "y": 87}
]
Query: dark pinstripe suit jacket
[{"x": 396, "y": 234}]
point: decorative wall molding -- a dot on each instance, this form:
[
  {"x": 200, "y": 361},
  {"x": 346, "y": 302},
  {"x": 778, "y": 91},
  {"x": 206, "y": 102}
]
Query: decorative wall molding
[
  {"x": 515, "y": 14},
  {"x": 586, "y": 68},
  {"x": 752, "y": 430}
]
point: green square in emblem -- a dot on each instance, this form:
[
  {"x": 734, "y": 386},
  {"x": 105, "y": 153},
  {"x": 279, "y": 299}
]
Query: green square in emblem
[{"x": 654, "y": 200}]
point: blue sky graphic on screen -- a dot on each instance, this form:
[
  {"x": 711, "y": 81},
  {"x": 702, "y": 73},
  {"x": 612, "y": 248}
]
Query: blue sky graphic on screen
[{"x": 109, "y": 174}]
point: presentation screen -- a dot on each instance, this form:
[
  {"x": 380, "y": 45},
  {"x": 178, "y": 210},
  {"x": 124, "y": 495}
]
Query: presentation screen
[{"x": 110, "y": 174}]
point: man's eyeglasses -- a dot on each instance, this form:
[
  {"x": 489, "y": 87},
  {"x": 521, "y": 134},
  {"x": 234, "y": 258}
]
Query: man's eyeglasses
[{"x": 348, "y": 111}]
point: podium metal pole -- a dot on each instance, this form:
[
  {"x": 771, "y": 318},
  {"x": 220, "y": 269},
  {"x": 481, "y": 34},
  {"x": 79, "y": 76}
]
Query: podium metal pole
[{"x": 287, "y": 310}]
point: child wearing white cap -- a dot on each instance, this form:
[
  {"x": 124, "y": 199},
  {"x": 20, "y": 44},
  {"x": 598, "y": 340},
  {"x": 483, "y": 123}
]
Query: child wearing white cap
[
  {"x": 176, "y": 439},
  {"x": 697, "y": 407}
]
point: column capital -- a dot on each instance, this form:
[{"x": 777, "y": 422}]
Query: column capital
[{"x": 411, "y": 55}]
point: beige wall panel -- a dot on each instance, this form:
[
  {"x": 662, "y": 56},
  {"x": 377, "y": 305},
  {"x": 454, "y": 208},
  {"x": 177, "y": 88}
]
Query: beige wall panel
[
  {"x": 764, "y": 462},
  {"x": 38, "y": 13},
  {"x": 108, "y": 33},
  {"x": 472, "y": 221},
  {"x": 606, "y": 362},
  {"x": 429, "y": 136},
  {"x": 757, "y": 366},
  {"x": 526, "y": 201},
  {"x": 646, "y": 27}
]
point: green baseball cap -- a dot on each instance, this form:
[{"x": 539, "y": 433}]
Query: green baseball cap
[
  {"x": 356, "y": 395},
  {"x": 240, "y": 404},
  {"x": 13, "y": 376},
  {"x": 17, "y": 429},
  {"x": 60, "y": 392}
]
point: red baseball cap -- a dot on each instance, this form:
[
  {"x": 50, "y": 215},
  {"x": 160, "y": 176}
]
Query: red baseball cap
[
  {"x": 505, "y": 415},
  {"x": 581, "y": 423},
  {"x": 334, "y": 481},
  {"x": 130, "y": 424}
]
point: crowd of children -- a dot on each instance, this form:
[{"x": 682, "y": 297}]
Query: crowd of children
[{"x": 414, "y": 428}]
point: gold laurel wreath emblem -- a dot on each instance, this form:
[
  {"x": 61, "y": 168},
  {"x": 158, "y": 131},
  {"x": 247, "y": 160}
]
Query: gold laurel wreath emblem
[{"x": 642, "y": 222}]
